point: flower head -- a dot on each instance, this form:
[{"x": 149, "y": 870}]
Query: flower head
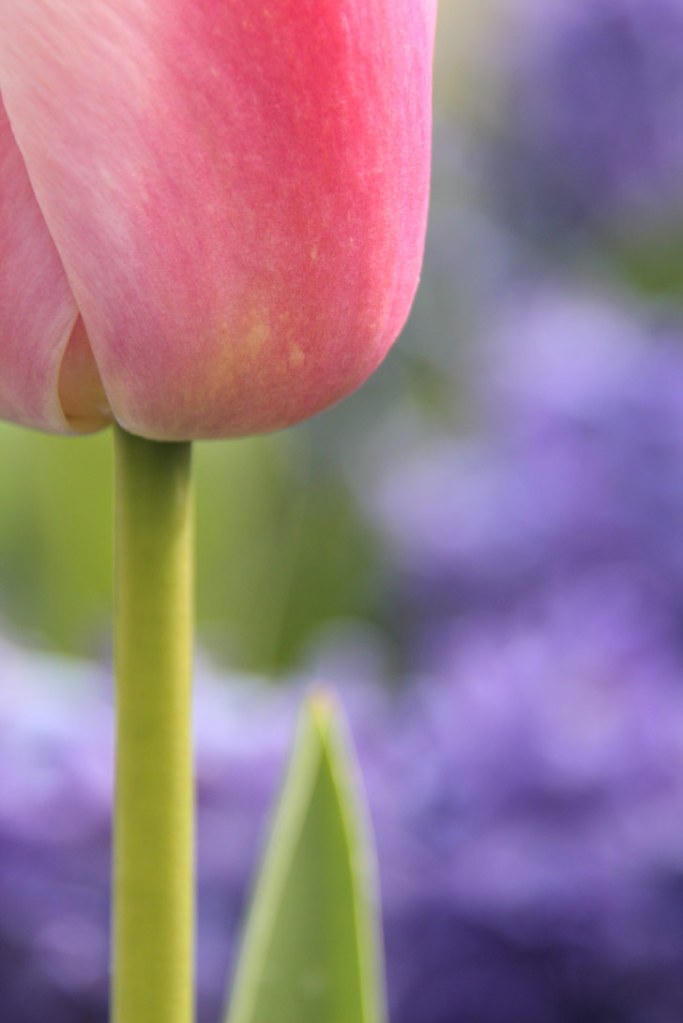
[{"x": 211, "y": 216}]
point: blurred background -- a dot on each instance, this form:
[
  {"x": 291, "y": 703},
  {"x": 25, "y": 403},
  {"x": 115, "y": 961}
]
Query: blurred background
[{"x": 482, "y": 549}]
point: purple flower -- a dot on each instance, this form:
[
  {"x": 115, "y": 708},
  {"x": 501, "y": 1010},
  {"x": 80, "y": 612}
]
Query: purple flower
[
  {"x": 527, "y": 796},
  {"x": 56, "y": 749},
  {"x": 541, "y": 843},
  {"x": 595, "y": 94},
  {"x": 572, "y": 493}
]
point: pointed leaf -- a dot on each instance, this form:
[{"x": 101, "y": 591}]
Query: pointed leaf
[{"x": 311, "y": 951}]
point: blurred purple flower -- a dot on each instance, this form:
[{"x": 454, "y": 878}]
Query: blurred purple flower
[
  {"x": 56, "y": 762},
  {"x": 528, "y": 804},
  {"x": 572, "y": 494},
  {"x": 533, "y": 861},
  {"x": 537, "y": 574},
  {"x": 594, "y": 112}
]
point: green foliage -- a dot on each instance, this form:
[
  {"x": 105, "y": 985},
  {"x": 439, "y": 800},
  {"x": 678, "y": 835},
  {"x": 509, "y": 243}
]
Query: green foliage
[
  {"x": 280, "y": 549},
  {"x": 55, "y": 537},
  {"x": 311, "y": 951},
  {"x": 279, "y": 546},
  {"x": 649, "y": 261}
]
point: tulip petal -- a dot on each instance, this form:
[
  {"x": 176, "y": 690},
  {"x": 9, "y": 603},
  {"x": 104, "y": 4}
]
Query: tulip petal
[
  {"x": 237, "y": 192},
  {"x": 38, "y": 315}
]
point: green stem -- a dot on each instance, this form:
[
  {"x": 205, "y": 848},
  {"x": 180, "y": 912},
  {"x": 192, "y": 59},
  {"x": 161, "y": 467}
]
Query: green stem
[{"x": 154, "y": 816}]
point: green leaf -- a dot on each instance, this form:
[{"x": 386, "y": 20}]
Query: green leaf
[{"x": 311, "y": 950}]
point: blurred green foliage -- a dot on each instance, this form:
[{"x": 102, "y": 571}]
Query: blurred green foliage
[
  {"x": 279, "y": 547},
  {"x": 55, "y": 536}
]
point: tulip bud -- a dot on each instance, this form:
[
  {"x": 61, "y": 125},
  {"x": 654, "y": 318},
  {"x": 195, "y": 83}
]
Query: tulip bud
[{"x": 212, "y": 212}]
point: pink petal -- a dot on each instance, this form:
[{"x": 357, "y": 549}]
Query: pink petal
[
  {"x": 237, "y": 191},
  {"x": 38, "y": 315}
]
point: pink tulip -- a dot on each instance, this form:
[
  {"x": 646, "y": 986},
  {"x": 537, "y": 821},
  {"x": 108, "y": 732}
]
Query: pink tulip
[{"x": 212, "y": 212}]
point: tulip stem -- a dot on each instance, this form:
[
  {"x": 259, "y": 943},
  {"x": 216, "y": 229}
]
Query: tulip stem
[{"x": 153, "y": 913}]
